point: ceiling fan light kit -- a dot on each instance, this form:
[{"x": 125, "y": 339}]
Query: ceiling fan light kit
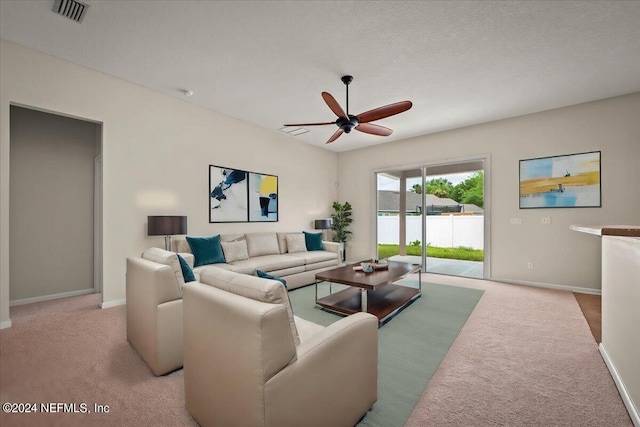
[{"x": 347, "y": 122}]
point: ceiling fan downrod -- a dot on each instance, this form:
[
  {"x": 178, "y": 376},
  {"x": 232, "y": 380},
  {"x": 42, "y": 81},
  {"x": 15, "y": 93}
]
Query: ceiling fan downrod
[{"x": 349, "y": 122}]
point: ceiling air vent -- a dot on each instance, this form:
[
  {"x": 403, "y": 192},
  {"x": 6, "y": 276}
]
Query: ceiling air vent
[
  {"x": 294, "y": 130},
  {"x": 71, "y": 9}
]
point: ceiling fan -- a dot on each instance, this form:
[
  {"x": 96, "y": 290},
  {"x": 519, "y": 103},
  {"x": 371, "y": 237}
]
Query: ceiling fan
[{"x": 347, "y": 122}]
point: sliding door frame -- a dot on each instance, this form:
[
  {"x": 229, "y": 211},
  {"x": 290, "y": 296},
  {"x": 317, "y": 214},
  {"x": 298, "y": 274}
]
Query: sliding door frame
[{"x": 424, "y": 166}]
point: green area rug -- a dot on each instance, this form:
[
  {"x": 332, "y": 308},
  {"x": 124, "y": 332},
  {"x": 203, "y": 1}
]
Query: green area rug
[{"x": 411, "y": 345}]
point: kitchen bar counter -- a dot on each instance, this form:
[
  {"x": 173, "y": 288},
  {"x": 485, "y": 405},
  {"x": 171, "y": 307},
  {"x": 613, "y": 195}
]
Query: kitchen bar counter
[
  {"x": 608, "y": 230},
  {"x": 620, "y": 347}
]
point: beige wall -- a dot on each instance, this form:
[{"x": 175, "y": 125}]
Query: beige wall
[
  {"x": 51, "y": 204},
  {"x": 561, "y": 257},
  {"x": 156, "y": 151}
]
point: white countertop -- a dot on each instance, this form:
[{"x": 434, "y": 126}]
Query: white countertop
[{"x": 608, "y": 230}]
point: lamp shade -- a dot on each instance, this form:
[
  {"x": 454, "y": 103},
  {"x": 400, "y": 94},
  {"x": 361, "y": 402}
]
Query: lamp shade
[
  {"x": 166, "y": 225},
  {"x": 322, "y": 224}
]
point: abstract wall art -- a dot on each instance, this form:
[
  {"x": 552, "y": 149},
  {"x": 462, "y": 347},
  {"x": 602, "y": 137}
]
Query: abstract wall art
[
  {"x": 263, "y": 197},
  {"x": 567, "y": 181},
  {"x": 228, "y": 196},
  {"x": 241, "y": 196}
]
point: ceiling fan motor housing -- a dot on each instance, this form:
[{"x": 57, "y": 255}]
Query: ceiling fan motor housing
[{"x": 347, "y": 124}]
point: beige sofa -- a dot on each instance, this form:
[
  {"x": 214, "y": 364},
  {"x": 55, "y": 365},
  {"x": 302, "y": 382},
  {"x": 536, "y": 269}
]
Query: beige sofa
[
  {"x": 248, "y": 361},
  {"x": 154, "y": 285},
  {"x": 269, "y": 252}
]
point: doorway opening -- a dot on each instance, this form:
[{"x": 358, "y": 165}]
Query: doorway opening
[
  {"x": 55, "y": 206},
  {"x": 435, "y": 215}
]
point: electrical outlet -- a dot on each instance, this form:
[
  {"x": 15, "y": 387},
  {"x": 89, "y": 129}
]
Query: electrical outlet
[
  {"x": 546, "y": 220},
  {"x": 530, "y": 265},
  {"x": 516, "y": 221}
]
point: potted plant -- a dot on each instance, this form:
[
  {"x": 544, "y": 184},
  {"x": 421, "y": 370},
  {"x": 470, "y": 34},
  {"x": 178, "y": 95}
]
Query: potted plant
[{"x": 340, "y": 221}]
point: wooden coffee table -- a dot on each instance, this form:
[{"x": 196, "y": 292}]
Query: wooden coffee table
[{"x": 373, "y": 292}]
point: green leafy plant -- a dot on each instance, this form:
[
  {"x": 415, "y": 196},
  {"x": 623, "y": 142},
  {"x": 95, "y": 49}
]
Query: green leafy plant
[
  {"x": 415, "y": 243},
  {"x": 341, "y": 220}
]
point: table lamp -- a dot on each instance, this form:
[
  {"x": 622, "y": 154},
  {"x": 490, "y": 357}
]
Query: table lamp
[
  {"x": 166, "y": 226},
  {"x": 322, "y": 224}
]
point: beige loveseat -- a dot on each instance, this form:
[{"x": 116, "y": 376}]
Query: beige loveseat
[
  {"x": 248, "y": 361},
  {"x": 154, "y": 289}
]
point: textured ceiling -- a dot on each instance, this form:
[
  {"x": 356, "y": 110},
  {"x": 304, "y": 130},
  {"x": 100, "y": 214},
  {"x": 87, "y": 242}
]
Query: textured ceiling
[{"x": 461, "y": 63}]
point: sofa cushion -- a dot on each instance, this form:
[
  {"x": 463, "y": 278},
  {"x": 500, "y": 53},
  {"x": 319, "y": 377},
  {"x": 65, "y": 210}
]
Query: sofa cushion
[
  {"x": 265, "y": 290},
  {"x": 296, "y": 243},
  {"x": 264, "y": 275},
  {"x": 306, "y": 329},
  {"x": 322, "y": 264},
  {"x": 282, "y": 242},
  {"x": 262, "y": 244},
  {"x": 187, "y": 272},
  {"x": 313, "y": 257},
  {"x": 313, "y": 241},
  {"x": 167, "y": 258},
  {"x": 267, "y": 263},
  {"x": 198, "y": 270},
  {"x": 235, "y": 251},
  {"x": 231, "y": 237},
  {"x": 180, "y": 246},
  {"x": 288, "y": 271},
  {"x": 206, "y": 250}
]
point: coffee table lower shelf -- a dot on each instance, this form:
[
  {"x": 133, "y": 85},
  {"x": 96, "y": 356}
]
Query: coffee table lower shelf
[{"x": 384, "y": 303}]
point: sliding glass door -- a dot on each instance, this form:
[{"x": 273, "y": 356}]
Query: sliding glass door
[
  {"x": 399, "y": 213},
  {"x": 433, "y": 215}
]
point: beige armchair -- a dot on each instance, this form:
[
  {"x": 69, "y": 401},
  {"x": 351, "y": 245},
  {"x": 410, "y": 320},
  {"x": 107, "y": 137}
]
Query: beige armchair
[
  {"x": 243, "y": 368},
  {"x": 154, "y": 309}
]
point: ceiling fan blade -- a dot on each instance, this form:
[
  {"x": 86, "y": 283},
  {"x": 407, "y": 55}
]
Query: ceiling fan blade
[
  {"x": 335, "y": 136},
  {"x": 374, "y": 129},
  {"x": 333, "y": 104},
  {"x": 382, "y": 112},
  {"x": 311, "y": 124}
]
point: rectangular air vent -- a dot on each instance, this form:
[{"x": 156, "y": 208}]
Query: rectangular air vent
[
  {"x": 294, "y": 130},
  {"x": 71, "y": 9}
]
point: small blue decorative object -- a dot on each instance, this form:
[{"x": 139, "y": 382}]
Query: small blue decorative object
[{"x": 367, "y": 267}]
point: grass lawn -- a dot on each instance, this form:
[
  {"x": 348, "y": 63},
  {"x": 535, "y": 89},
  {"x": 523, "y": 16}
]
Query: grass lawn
[{"x": 385, "y": 251}]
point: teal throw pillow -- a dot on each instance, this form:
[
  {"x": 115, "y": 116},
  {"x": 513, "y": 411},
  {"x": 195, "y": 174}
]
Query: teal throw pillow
[
  {"x": 206, "y": 250},
  {"x": 313, "y": 241},
  {"x": 187, "y": 272},
  {"x": 264, "y": 275}
]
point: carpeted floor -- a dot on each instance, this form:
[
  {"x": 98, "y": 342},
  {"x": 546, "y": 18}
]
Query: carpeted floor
[
  {"x": 524, "y": 357},
  {"x": 74, "y": 352}
]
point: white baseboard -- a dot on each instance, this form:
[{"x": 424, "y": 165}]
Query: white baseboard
[
  {"x": 51, "y": 297},
  {"x": 550, "y": 286},
  {"x": 109, "y": 304},
  {"x": 631, "y": 407},
  {"x": 5, "y": 325}
]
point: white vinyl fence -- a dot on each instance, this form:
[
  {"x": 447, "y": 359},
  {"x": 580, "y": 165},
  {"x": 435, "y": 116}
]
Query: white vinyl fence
[{"x": 445, "y": 231}]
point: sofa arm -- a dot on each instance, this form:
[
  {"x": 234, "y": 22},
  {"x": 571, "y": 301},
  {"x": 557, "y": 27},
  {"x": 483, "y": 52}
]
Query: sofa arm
[
  {"x": 155, "y": 283},
  {"x": 331, "y": 247},
  {"x": 337, "y": 369},
  {"x": 154, "y": 314}
]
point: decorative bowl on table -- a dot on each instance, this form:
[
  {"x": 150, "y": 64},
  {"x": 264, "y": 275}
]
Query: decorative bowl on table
[{"x": 367, "y": 267}]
